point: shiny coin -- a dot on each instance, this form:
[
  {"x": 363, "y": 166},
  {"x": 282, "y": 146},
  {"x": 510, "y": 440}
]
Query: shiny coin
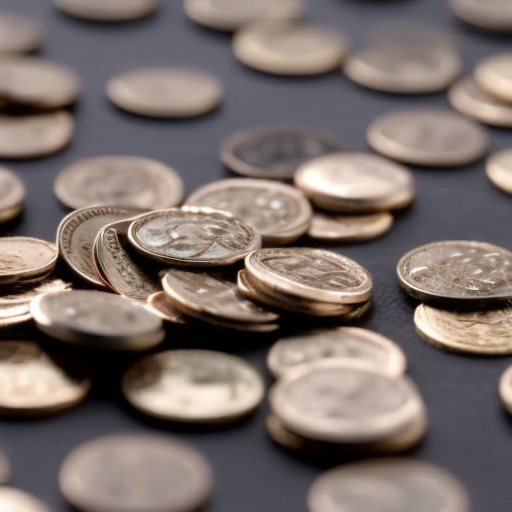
[
  {"x": 345, "y": 343},
  {"x": 398, "y": 485},
  {"x": 23, "y": 294},
  {"x": 193, "y": 386},
  {"x": 290, "y": 48},
  {"x": 14, "y": 500},
  {"x": 12, "y": 195},
  {"x": 499, "y": 170},
  {"x": 355, "y": 183},
  {"x": 492, "y": 15},
  {"x": 159, "y": 304},
  {"x": 166, "y": 92},
  {"x": 457, "y": 271},
  {"x": 19, "y": 34},
  {"x": 193, "y": 236},
  {"x": 494, "y": 76},
  {"x": 108, "y": 10},
  {"x": 433, "y": 138},
  {"x": 97, "y": 320},
  {"x": 134, "y": 472},
  {"x": 278, "y": 212},
  {"x": 505, "y": 389}
]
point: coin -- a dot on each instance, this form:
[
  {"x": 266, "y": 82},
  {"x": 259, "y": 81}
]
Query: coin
[
  {"x": 505, "y": 389},
  {"x": 494, "y": 76},
  {"x": 355, "y": 183},
  {"x": 433, "y": 138},
  {"x": 278, "y": 212},
  {"x": 19, "y": 33},
  {"x": 493, "y": 15},
  {"x": 22, "y": 294},
  {"x": 293, "y": 49},
  {"x": 14, "y": 499},
  {"x": 499, "y": 170},
  {"x": 460, "y": 271},
  {"x": 97, "y": 320},
  {"x": 400, "y": 485},
  {"x": 166, "y": 92},
  {"x": 15, "y": 319},
  {"x": 193, "y": 236},
  {"x": 160, "y": 305},
  {"x": 131, "y": 472},
  {"x": 76, "y": 235},
  {"x": 5, "y": 469},
  {"x": 108, "y": 10},
  {"x": 12, "y": 194},
  {"x": 193, "y": 386}
]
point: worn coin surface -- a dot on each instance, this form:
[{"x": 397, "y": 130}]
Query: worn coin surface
[
  {"x": 19, "y": 33},
  {"x": 457, "y": 271},
  {"x": 193, "y": 386},
  {"x": 499, "y": 169},
  {"x": 108, "y": 10},
  {"x": 22, "y": 294},
  {"x": 433, "y": 138},
  {"x": 494, "y": 75},
  {"x": 394, "y": 485},
  {"x": 505, "y": 389},
  {"x": 14, "y": 500},
  {"x": 166, "y": 92},
  {"x": 492, "y": 15},
  {"x": 279, "y": 213},
  {"x": 132, "y": 472},
  {"x": 159, "y": 304},
  {"x": 12, "y": 195},
  {"x": 293, "y": 49},
  {"x": 193, "y": 236}
]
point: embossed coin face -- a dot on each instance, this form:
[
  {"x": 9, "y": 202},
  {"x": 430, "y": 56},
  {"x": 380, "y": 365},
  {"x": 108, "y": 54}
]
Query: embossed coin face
[
  {"x": 433, "y": 138},
  {"x": 193, "y": 386},
  {"x": 278, "y": 212},
  {"x": 494, "y": 76},
  {"x": 134, "y": 472},
  {"x": 12, "y": 195},
  {"x": 193, "y": 236},
  {"x": 19, "y": 34},
  {"x": 159, "y": 304},
  {"x": 108, "y": 10},
  {"x": 493, "y": 15},
  {"x": 290, "y": 48},
  {"x": 166, "y": 92},
  {"x": 499, "y": 170},
  {"x": 355, "y": 183},
  {"x": 505, "y": 389},
  {"x": 388, "y": 485},
  {"x": 22, "y": 294},
  {"x": 457, "y": 271},
  {"x": 14, "y": 499}
]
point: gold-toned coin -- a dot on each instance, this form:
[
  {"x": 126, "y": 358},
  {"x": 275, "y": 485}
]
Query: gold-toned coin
[
  {"x": 5, "y": 469},
  {"x": 499, "y": 170},
  {"x": 12, "y": 194},
  {"x": 166, "y": 92},
  {"x": 293, "y": 49},
  {"x": 491, "y": 15},
  {"x": 19, "y": 33},
  {"x": 22, "y": 294},
  {"x": 14, "y": 499},
  {"x": 505, "y": 389},
  {"x": 108, "y": 11},
  {"x": 145, "y": 472},
  {"x": 494, "y": 76},
  {"x": 159, "y": 304}
]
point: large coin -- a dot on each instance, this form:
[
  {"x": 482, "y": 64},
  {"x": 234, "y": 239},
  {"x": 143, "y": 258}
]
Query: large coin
[
  {"x": 19, "y": 34},
  {"x": 108, "y": 10},
  {"x": 278, "y": 212},
  {"x": 457, "y": 271},
  {"x": 193, "y": 386},
  {"x": 433, "y": 138},
  {"x": 12, "y": 195},
  {"x": 136, "y": 472},
  {"x": 499, "y": 169},
  {"x": 159, "y": 304},
  {"x": 505, "y": 389},
  {"x": 14, "y": 500},
  {"x": 494, "y": 75},
  {"x": 492, "y": 15},
  {"x": 193, "y": 236}
]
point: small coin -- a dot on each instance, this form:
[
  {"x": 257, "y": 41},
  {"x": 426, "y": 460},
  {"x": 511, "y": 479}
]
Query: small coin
[
  {"x": 97, "y": 320},
  {"x": 133, "y": 472},
  {"x": 494, "y": 76},
  {"x": 499, "y": 170},
  {"x": 108, "y": 10},
  {"x": 166, "y": 92},
  {"x": 12, "y": 194},
  {"x": 505, "y": 389},
  {"x": 22, "y": 294},
  {"x": 457, "y": 271},
  {"x": 193, "y": 386},
  {"x": 19, "y": 33},
  {"x": 278, "y": 212},
  {"x": 193, "y": 236},
  {"x": 12, "y": 499},
  {"x": 492, "y": 15},
  {"x": 433, "y": 138},
  {"x": 159, "y": 304},
  {"x": 293, "y": 49}
]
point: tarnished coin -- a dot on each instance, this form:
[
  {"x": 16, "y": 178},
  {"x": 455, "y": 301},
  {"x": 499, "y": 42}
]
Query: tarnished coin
[
  {"x": 492, "y": 15},
  {"x": 457, "y": 271},
  {"x": 345, "y": 343},
  {"x": 499, "y": 169},
  {"x": 166, "y": 92},
  {"x": 193, "y": 386},
  {"x": 19, "y": 33},
  {"x": 494, "y": 76},
  {"x": 293, "y": 49},
  {"x": 36, "y": 383},
  {"x": 131, "y": 472},
  {"x": 433, "y": 138},
  {"x": 77, "y": 232},
  {"x": 398, "y": 485},
  {"x": 12, "y": 195},
  {"x": 25, "y": 259},
  {"x": 193, "y": 237},
  {"x": 279, "y": 213},
  {"x": 505, "y": 389},
  {"x": 159, "y": 304},
  {"x": 355, "y": 183},
  {"x": 97, "y": 320},
  {"x": 108, "y": 10},
  {"x": 22, "y": 294},
  {"x": 12, "y": 499}
]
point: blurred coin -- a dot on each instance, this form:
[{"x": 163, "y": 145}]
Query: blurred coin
[
  {"x": 499, "y": 170},
  {"x": 19, "y": 33},
  {"x": 293, "y": 49},
  {"x": 12, "y": 195},
  {"x": 12, "y": 499},
  {"x": 5, "y": 469},
  {"x": 505, "y": 389},
  {"x": 278, "y": 212},
  {"x": 166, "y": 92},
  {"x": 15, "y": 319},
  {"x": 108, "y": 10},
  {"x": 494, "y": 76},
  {"x": 22, "y": 294},
  {"x": 193, "y": 386},
  {"x": 493, "y": 15},
  {"x": 159, "y": 304},
  {"x": 134, "y": 472}
]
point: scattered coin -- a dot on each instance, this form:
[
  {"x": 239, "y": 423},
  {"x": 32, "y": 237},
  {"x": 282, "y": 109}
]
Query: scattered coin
[
  {"x": 22, "y": 294},
  {"x": 493, "y": 15},
  {"x": 166, "y": 92},
  {"x": 134, "y": 472},
  {"x": 159, "y": 304},
  {"x": 499, "y": 170},
  {"x": 505, "y": 389},
  {"x": 193, "y": 386},
  {"x": 5, "y": 469},
  {"x": 12, "y": 194},
  {"x": 19, "y": 33},
  {"x": 494, "y": 76},
  {"x": 108, "y": 10},
  {"x": 14, "y": 499}
]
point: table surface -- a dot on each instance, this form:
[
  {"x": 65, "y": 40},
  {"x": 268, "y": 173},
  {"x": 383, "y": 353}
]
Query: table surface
[{"x": 469, "y": 432}]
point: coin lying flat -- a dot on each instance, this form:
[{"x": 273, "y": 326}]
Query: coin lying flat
[
  {"x": 14, "y": 499},
  {"x": 12, "y": 195},
  {"x": 19, "y": 33},
  {"x": 159, "y": 304},
  {"x": 499, "y": 170},
  {"x": 23, "y": 294},
  {"x": 278, "y": 212},
  {"x": 134, "y": 472},
  {"x": 289, "y": 48},
  {"x": 166, "y": 92},
  {"x": 494, "y": 76},
  {"x": 193, "y": 386},
  {"x": 108, "y": 10},
  {"x": 505, "y": 389},
  {"x": 493, "y": 15}
]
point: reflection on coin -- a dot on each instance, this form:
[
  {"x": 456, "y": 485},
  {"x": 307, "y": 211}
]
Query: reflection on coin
[
  {"x": 505, "y": 389},
  {"x": 290, "y": 48},
  {"x": 97, "y": 320},
  {"x": 12, "y": 499},
  {"x": 108, "y": 10},
  {"x": 134, "y": 472},
  {"x": 22, "y": 294},
  {"x": 166, "y": 92},
  {"x": 493, "y": 15},
  {"x": 398, "y": 485},
  {"x": 159, "y": 304},
  {"x": 5, "y": 469},
  {"x": 494, "y": 76},
  {"x": 12, "y": 195},
  {"x": 457, "y": 271},
  {"x": 193, "y": 386},
  {"x": 278, "y": 212},
  {"x": 433, "y": 138},
  {"x": 499, "y": 170},
  {"x": 19, "y": 34}
]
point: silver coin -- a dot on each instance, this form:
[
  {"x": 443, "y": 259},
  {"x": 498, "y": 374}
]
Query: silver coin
[
  {"x": 108, "y": 10},
  {"x": 494, "y": 76},
  {"x": 499, "y": 170},
  {"x": 19, "y": 33},
  {"x": 12, "y": 499},
  {"x": 12, "y": 195},
  {"x": 493, "y": 15}
]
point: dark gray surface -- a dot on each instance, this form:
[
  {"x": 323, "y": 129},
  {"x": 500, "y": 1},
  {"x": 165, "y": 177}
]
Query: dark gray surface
[{"x": 469, "y": 433}]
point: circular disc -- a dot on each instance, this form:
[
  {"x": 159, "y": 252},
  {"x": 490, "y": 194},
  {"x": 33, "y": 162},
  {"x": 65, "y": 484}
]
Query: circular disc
[
  {"x": 494, "y": 76},
  {"x": 12, "y": 499},
  {"x": 499, "y": 170},
  {"x": 12, "y": 195},
  {"x": 493, "y": 15},
  {"x": 108, "y": 10},
  {"x": 19, "y": 34}
]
